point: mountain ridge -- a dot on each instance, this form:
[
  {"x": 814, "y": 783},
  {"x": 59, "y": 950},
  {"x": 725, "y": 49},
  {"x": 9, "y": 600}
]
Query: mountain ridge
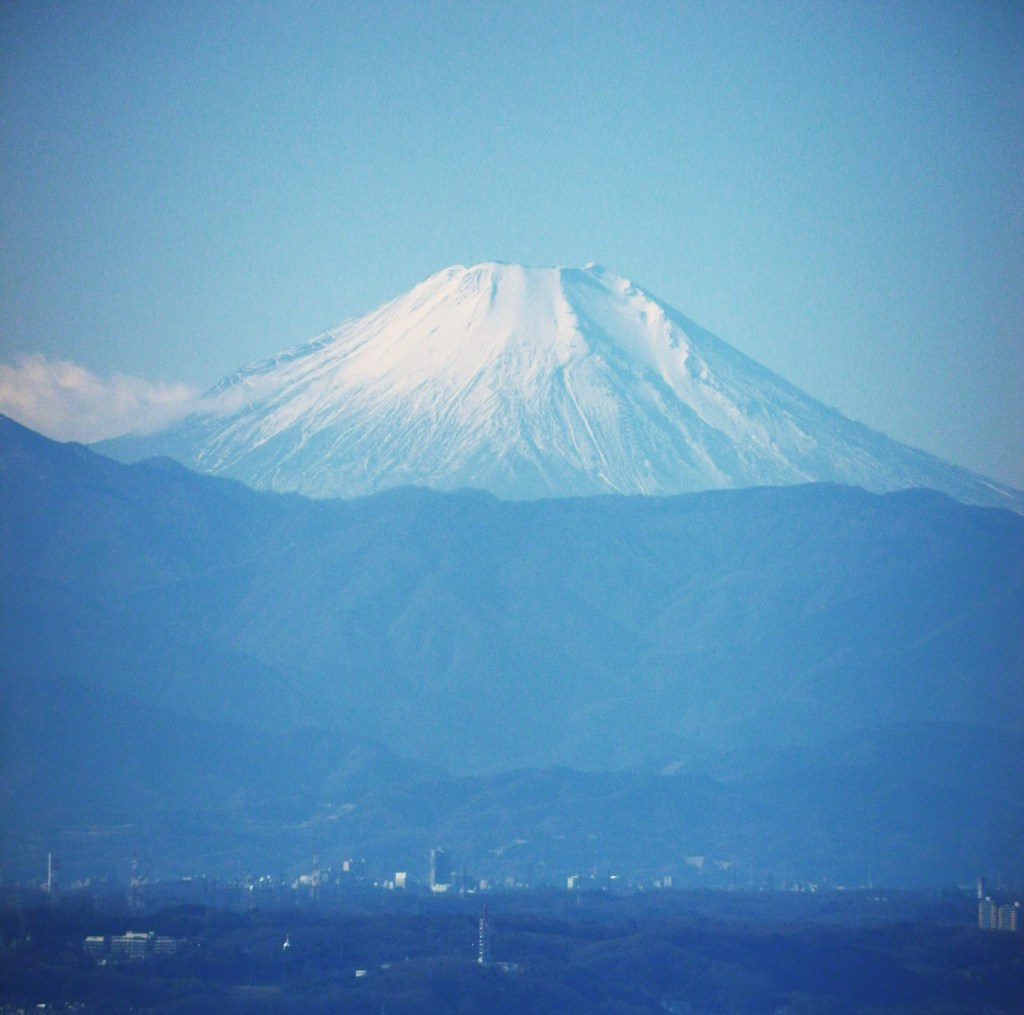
[
  {"x": 831, "y": 676},
  {"x": 700, "y": 618},
  {"x": 532, "y": 382}
]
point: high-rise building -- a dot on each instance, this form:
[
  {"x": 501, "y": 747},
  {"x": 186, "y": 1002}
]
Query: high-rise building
[
  {"x": 131, "y": 945},
  {"x": 1006, "y": 919},
  {"x": 440, "y": 870},
  {"x": 988, "y": 914},
  {"x": 993, "y": 916}
]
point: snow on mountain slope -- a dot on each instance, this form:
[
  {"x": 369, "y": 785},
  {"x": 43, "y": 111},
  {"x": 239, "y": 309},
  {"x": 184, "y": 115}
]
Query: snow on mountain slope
[{"x": 532, "y": 382}]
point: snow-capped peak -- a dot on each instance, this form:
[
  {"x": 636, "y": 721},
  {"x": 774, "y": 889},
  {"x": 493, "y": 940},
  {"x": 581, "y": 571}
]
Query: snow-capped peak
[{"x": 531, "y": 382}]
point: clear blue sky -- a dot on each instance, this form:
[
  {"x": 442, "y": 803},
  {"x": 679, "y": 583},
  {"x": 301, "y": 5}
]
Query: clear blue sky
[{"x": 835, "y": 188}]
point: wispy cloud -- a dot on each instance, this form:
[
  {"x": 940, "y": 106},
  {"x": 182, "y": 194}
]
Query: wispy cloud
[{"x": 66, "y": 402}]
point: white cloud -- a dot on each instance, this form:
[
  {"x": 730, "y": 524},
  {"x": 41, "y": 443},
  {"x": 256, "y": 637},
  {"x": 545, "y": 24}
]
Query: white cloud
[{"x": 67, "y": 402}]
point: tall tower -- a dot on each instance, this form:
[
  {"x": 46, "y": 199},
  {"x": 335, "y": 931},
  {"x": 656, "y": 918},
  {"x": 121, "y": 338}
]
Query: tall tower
[
  {"x": 314, "y": 879},
  {"x": 483, "y": 948},
  {"x": 51, "y": 876},
  {"x": 135, "y": 886}
]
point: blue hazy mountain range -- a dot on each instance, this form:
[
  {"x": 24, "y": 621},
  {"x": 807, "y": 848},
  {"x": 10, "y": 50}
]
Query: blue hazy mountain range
[{"x": 809, "y": 675}]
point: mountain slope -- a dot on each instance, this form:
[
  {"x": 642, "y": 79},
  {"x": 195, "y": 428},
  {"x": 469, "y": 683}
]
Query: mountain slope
[
  {"x": 873, "y": 641},
  {"x": 479, "y": 634},
  {"x": 532, "y": 382}
]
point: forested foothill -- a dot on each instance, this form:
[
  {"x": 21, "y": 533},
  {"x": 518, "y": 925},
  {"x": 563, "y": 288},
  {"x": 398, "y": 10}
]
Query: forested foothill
[{"x": 564, "y": 952}]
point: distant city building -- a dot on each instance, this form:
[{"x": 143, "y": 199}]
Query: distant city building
[
  {"x": 594, "y": 882},
  {"x": 440, "y": 870},
  {"x": 993, "y": 916},
  {"x": 353, "y": 868},
  {"x": 985, "y": 913},
  {"x": 131, "y": 945}
]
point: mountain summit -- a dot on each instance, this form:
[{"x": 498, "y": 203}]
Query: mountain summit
[{"x": 531, "y": 382}]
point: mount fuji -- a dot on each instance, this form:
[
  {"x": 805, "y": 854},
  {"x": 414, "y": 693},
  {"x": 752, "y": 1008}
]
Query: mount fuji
[{"x": 529, "y": 383}]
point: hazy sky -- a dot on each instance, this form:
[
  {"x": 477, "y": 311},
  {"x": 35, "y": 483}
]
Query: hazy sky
[{"x": 836, "y": 189}]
